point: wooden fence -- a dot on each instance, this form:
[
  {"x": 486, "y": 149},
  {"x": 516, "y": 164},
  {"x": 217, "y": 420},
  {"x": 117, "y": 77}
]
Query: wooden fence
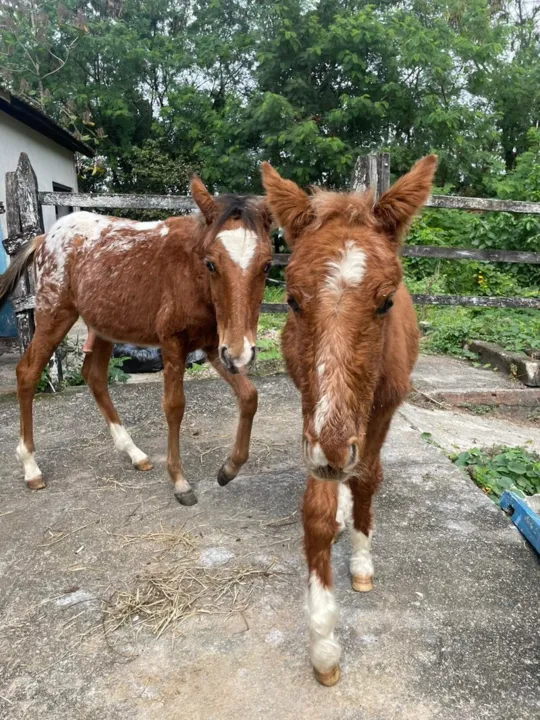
[{"x": 24, "y": 221}]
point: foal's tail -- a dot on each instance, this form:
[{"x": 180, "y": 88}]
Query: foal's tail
[{"x": 17, "y": 266}]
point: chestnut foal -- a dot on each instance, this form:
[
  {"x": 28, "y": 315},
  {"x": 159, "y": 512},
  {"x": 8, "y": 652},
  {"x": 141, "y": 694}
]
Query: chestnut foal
[
  {"x": 183, "y": 284},
  {"x": 350, "y": 343}
]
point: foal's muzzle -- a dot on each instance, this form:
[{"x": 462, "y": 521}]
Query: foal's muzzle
[
  {"x": 341, "y": 467},
  {"x": 235, "y": 364}
]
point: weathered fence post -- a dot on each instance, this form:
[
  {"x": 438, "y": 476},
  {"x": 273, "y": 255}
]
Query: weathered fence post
[
  {"x": 371, "y": 171},
  {"x": 23, "y": 296},
  {"x": 383, "y": 173},
  {"x": 25, "y": 221}
]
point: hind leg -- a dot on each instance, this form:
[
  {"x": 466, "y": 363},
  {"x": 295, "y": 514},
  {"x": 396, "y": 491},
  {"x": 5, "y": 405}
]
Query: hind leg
[
  {"x": 50, "y": 330},
  {"x": 95, "y": 372}
]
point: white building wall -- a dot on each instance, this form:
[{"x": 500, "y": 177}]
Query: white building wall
[{"x": 51, "y": 162}]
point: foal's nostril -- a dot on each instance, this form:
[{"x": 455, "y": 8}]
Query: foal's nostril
[{"x": 226, "y": 360}]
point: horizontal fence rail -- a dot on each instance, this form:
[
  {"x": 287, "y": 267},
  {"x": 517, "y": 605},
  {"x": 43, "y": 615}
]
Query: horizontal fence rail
[
  {"x": 121, "y": 202},
  {"x": 451, "y": 253},
  {"x": 481, "y": 301},
  {"x": 184, "y": 202},
  {"x": 449, "y": 202},
  {"x": 458, "y": 202}
]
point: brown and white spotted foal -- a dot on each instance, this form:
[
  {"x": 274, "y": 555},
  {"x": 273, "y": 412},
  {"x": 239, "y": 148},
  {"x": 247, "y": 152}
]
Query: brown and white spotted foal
[
  {"x": 183, "y": 284},
  {"x": 350, "y": 343}
]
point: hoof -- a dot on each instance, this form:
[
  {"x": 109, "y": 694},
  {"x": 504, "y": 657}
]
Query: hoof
[
  {"x": 144, "y": 465},
  {"x": 186, "y": 498},
  {"x": 327, "y": 678},
  {"x": 362, "y": 583},
  {"x": 223, "y": 477},
  {"x": 36, "y": 483}
]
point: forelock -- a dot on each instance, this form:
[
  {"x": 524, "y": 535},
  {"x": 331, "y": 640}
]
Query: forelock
[{"x": 351, "y": 208}]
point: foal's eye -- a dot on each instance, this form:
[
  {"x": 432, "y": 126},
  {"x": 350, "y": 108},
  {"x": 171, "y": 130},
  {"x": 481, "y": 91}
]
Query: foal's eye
[
  {"x": 293, "y": 304},
  {"x": 266, "y": 268},
  {"x": 210, "y": 266},
  {"x": 385, "y": 307}
]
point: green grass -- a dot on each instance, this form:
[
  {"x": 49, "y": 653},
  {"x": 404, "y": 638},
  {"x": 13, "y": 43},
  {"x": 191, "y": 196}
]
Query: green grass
[
  {"x": 450, "y": 328},
  {"x": 274, "y": 294},
  {"x": 270, "y": 326},
  {"x": 500, "y": 469}
]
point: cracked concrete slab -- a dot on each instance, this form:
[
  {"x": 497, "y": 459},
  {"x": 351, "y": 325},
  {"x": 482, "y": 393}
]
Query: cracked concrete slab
[{"x": 459, "y": 431}]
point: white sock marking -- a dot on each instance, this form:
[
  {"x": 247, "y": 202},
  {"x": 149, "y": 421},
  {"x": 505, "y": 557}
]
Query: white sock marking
[
  {"x": 361, "y": 562},
  {"x": 323, "y": 616},
  {"x": 345, "y": 506},
  {"x": 26, "y": 458},
  {"x": 123, "y": 442},
  {"x": 240, "y": 244}
]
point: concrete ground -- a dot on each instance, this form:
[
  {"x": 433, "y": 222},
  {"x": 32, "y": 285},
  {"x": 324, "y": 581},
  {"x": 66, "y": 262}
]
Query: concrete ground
[{"x": 450, "y": 632}]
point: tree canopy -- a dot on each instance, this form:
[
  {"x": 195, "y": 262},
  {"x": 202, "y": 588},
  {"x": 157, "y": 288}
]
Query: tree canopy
[{"x": 165, "y": 87}]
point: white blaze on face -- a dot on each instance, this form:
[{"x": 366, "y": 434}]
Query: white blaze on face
[
  {"x": 323, "y": 616},
  {"x": 318, "y": 457},
  {"x": 123, "y": 442},
  {"x": 349, "y": 269},
  {"x": 26, "y": 458},
  {"x": 240, "y": 244},
  {"x": 321, "y": 412},
  {"x": 346, "y": 271},
  {"x": 245, "y": 355}
]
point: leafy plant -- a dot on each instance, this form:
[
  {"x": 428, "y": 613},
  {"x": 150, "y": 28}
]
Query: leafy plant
[
  {"x": 451, "y": 328},
  {"x": 115, "y": 374},
  {"x": 500, "y": 469},
  {"x": 72, "y": 362}
]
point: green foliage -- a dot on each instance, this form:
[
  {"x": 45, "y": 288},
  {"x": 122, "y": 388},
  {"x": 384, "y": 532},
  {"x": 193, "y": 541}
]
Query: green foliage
[
  {"x": 495, "y": 231},
  {"x": 268, "y": 349},
  {"x": 72, "y": 361},
  {"x": 167, "y": 87},
  {"x": 500, "y": 469},
  {"x": 44, "y": 383},
  {"x": 164, "y": 88},
  {"x": 115, "y": 374},
  {"x": 451, "y": 328}
]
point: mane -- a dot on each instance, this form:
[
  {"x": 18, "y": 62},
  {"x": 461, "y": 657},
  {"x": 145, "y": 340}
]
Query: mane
[{"x": 352, "y": 208}]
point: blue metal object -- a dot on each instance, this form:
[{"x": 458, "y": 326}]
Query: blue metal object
[
  {"x": 8, "y": 327},
  {"x": 523, "y": 517}
]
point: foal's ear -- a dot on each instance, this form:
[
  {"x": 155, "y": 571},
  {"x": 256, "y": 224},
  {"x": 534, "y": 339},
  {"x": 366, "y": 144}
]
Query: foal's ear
[
  {"x": 289, "y": 204},
  {"x": 396, "y": 207},
  {"x": 207, "y": 204}
]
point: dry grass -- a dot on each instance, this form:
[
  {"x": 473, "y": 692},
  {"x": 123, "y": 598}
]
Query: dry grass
[
  {"x": 166, "y": 599},
  {"x": 167, "y": 594}
]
